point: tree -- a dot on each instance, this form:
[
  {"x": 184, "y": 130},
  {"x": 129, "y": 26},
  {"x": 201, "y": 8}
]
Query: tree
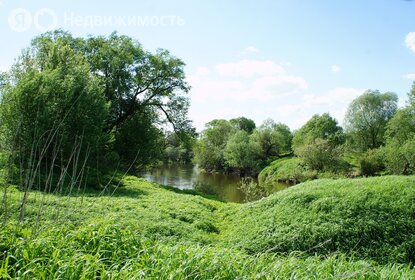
[
  {"x": 52, "y": 106},
  {"x": 274, "y": 139},
  {"x": 179, "y": 146},
  {"x": 411, "y": 96},
  {"x": 209, "y": 151},
  {"x": 241, "y": 154},
  {"x": 321, "y": 155},
  {"x": 399, "y": 151},
  {"x": 243, "y": 123},
  {"x": 366, "y": 119},
  {"x": 139, "y": 140},
  {"x": 131, "y": 79},
  {"x": 135, "y": 80},
  {"x": 318, "y": 127}
]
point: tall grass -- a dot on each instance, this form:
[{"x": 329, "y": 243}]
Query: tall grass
[{"x": 147, "y": 232}]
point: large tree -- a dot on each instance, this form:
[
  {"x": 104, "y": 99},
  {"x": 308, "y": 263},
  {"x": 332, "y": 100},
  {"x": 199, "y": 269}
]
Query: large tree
[
  {"x": 366, "y": 118},
  {"x": 51, "y": 105},
  {"x": 62, "y": 81}
]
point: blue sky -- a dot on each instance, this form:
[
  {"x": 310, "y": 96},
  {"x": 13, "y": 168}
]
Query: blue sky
[{"x": 284, "y": 60}]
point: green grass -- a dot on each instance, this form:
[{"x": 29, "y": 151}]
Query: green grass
[
  {"x": 285, "y": 170},
  {"x": 145, "y": 231},
  {"x": 372, "y": 218}
]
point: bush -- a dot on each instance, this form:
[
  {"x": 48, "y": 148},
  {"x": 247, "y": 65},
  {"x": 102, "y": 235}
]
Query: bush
[
  {"x": 371, "y": 162},
  {"x": 400, "y": 157},
  {"x": 322, "y": 155}
]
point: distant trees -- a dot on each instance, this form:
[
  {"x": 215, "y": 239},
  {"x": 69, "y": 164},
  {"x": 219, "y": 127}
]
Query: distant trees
[
  {"x": 273, "y": 139},
  {"x": 243, "y": 123},
  {"x": 209, "y": 151},
  {"x": 241, "y": 153},
  {"x": 366, "y": 119},
  {"x": 179, "y": 146},
  {"x": 236, "y": 145},
  {"x": 319, "y": 143}
]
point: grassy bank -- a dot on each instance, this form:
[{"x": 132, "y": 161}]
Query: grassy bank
[{"x": 144, "y": 231}]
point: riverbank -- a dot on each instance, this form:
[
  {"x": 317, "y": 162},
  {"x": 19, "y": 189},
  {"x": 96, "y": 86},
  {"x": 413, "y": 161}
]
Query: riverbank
[{"x": 321, "y": 229}]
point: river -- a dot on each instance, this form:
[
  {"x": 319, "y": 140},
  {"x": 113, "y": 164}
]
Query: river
[{"x": 223, "y": 186}]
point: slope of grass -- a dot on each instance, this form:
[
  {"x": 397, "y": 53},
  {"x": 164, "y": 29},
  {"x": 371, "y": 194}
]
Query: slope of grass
[
  {"x": 144, "y": 231},
  {"x": 370, "y": 218},
  {"x": 286, "y": 170}
]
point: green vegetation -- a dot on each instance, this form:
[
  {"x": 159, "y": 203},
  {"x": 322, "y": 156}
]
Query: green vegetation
[
  {"x": 366, "y": 119},
  {"x": 286, "y": 170},
  {"x": 74, "y": 111},
  {"x": 322, "y": 229},
  {"x": 237, "y": 146},
  {"x": 99, "y": 99}
]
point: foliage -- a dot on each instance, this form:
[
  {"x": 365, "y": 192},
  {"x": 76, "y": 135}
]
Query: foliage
[
  {"x": 366, "y": 119},
  {"x": 241, "y": 154},
  {"x": 209, "y": 149},
  {"x": 139, "y": 140},
  {"x": 65, "y": 91},
  {"x": 399, "y": 158},
  {"x": 285, "y": 170},
  {"x": 399, "y": 151},
  {"x": 136, "y": 80},
  {"x": 51, "y": 105},
  {"x": 145, "y": 231},
  {"x": 179, "y": 146},
  {"x": 252, "y": 190},
  {"x": 244, "y": 124},
  {"x": 274, "y": 140},
  {"x": 322, "y": 155},
  {"x": 324, "y": 127},
  {"x": 371, "y": 162}
]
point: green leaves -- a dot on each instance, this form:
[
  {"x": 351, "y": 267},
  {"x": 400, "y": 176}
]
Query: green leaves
[{"x": 366, "y": 119}]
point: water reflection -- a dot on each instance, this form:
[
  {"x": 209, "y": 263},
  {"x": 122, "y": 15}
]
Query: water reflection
[{"x": 223, "y": 186}]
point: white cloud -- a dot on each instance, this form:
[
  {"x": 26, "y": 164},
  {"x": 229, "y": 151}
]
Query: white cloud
[
  {"x": 410, "y": 76},
  {"x": 250, "y": 68},
  {"x": 410, "y": 41},
  {"x": 250, "y": 50},
  {"x": 335, "y": 102},
  {"x": 264, "y": 90},
  {"x": 335, "y": 68},
  {"x": 250, "y": 88}
]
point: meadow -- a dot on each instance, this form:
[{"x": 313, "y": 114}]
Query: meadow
[{"x": 324, "y": 229}]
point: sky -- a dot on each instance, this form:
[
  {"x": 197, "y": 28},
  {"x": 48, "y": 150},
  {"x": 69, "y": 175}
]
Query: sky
[{"x": 284, "y": 59}]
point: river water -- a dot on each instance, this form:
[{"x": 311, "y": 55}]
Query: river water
[{"x": 222, "y": 186}]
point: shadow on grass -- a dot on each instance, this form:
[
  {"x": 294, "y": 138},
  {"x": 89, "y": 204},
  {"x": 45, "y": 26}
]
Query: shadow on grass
[{"x": 191, "y": 192}]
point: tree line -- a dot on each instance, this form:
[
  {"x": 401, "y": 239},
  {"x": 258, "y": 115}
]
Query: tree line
[
  {"x": 377, "y": 138},
  {"x": 103, "y": 102}
]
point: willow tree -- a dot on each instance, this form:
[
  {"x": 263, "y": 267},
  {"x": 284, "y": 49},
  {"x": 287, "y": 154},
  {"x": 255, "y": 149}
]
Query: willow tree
[
  {"x": 367, "y": 116},
  {"x": 96, "y": 87}
]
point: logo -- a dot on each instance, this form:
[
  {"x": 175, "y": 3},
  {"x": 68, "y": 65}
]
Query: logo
[{"x": 21, "y": 20}]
